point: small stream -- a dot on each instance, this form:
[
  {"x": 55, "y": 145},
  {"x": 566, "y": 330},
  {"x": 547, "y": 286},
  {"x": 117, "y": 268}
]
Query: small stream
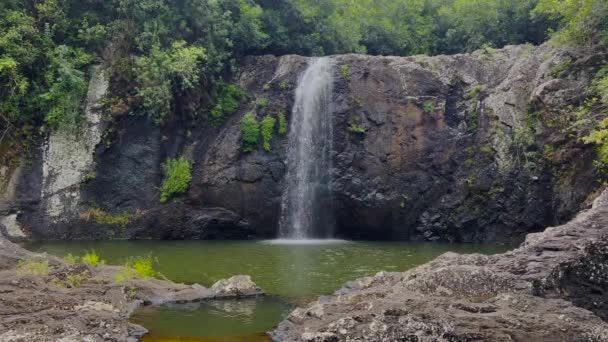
[{"x": 290, "y": 274}]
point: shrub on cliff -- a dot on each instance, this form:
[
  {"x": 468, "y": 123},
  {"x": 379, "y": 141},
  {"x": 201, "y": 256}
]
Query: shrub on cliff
[
  {"x": 282, "y": 124},
  {"x": 178, "y": 174},
  {"x": 598, "y": 103},
  {"x": 227, "y": 99},
  {"x": 268, "y": 124},
  {"x": 250, "y": 132}
]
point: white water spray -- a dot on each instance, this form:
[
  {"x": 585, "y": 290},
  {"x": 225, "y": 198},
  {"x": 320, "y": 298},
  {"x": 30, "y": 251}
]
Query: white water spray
[{"x": 307, "y": 200}]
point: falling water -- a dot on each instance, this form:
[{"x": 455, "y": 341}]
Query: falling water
[{"x": 307, "y": 204}]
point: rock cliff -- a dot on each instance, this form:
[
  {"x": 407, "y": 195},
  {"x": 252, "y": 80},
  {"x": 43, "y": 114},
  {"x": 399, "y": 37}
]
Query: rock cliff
[{"x": 469, "y": 147}]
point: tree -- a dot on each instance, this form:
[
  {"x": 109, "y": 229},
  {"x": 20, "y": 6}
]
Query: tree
[
  {"x": 163, "y": 71},
  {"x": 583, "y": 22}
]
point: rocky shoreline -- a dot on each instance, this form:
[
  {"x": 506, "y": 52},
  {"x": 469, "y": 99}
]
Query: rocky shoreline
[
  {"x": 554, "y": 287},
  {"x": 37, "y": 308}
]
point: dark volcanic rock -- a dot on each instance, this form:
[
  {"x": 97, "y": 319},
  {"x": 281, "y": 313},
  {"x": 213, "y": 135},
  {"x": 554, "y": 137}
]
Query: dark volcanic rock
[
  {"x": 439, "y": 159},
  {"x": 178, "y": 221},
  {"x": 552, "y": 288},
  {"x": 128, "y": 172},
  {"x": 468, "y": 147}
]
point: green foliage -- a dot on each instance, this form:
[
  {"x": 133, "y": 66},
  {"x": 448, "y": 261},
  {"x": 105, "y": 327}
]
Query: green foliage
[
  {"x": 523, "y": 141},
  {"x": 67, "y": 87},
  {"x": 473, "y": 92},
  {"x": 471, "y": 119},
  {"x": 103, "y": 217},
  {"x": 599, "y": 137},
  {"x": 163, "y": 70},
  {"x": 282, "y": 123},
  {"x": 93, "y": 36},
  {"x": 92, "y": 258},
  {"x": 464, "y": 25},
  {"x": 33, "y": 267},
  {"x": 228, "y": 97},
  {"x": 487, "y": 151},
  {"x": 356, "y": 128},
  {"x": 597, "y": 102},
  {"x": 22, "y": 47},
  {"x": 548, "y": 151},
  {"x": 262, "y": 102},
  {"x": 533, "y": 118},
  {"x": 177, "y": 177},
  {"x": 471, "y": 180},
  {"x": 250, "y": 133},
  {"x": 344, "y": 70},
  {"x": 267, "y": 131},
  {"x": 73, "y": 280},
  {"x": 428, "y": 107},
  {"x": 583, "y": 22},
  {"x": 599, "y": 87},
  {"x": 562, "y": 68},
  {"x": 523, "y": 137},
  {"x": 71, "y": 259},
  {"x": 90, "y": 176},
  {"x": 13, "y": 86},
  {"x": 123, "y": 275},
  {"x": 161, "y": 53},
  {"x": 141, "y": 266}
]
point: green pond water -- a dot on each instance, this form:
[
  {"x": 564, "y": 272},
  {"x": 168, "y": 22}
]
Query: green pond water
[{"x": 289, "y": 274}]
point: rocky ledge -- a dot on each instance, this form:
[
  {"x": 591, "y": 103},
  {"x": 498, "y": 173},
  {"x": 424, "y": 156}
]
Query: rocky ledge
[
  {"x": 554, "y": 287},
  {"x": 75, "y": 302}
]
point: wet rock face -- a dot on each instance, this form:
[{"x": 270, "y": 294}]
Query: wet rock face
[
  {"x": 449, "y": 148},
  {"x": 440, "y": 157},
  {"x": 552, "y": 288}
]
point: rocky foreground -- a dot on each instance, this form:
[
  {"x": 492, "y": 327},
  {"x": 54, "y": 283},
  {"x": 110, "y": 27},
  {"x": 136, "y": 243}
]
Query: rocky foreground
[
  {"x": 554, "y": 287},
  {"x": 75, "y": 302}
]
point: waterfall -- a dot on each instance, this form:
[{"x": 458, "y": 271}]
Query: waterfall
[{"x": 307, "y": 200}]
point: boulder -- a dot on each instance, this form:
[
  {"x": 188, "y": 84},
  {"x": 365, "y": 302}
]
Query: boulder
[{"x": 236, "y": 287}]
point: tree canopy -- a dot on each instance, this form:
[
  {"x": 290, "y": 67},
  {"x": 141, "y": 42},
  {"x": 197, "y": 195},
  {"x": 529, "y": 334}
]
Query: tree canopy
[{"x": 160, "y": 50}]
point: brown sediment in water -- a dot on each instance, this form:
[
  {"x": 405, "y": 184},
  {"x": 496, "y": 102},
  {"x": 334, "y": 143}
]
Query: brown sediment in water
[
  {"x": 260, "y": 337},
  {"x": 301, "y": 300}
]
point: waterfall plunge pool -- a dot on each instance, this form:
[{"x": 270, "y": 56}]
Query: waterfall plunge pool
[{"x": 291, "y": 273}]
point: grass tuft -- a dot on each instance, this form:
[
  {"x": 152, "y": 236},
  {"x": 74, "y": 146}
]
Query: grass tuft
[{"x": 33, "y": 267}]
